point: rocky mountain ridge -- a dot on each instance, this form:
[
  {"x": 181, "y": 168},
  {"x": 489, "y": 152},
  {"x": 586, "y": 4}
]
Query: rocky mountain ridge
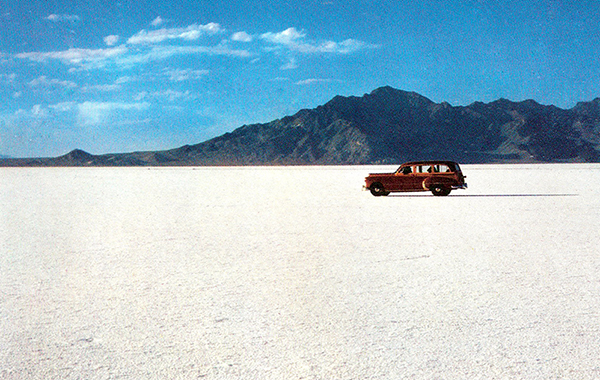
[{"x": 384, "y": 127}]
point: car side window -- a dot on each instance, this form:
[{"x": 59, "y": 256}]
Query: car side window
[
  {"x": 406, "y": 170},
  {"x": 441, "y": 169},
  {"x": 423, "y": 169}
]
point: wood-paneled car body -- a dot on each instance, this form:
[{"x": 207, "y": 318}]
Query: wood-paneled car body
[{"x": 439, "y": 177}]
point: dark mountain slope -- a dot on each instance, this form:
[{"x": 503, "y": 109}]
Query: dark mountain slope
[{"x": 387, "y": 126}]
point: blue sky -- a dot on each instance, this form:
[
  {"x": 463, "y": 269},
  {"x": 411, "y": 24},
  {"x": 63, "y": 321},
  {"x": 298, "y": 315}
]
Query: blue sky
[{"x": 120, "y": 76}]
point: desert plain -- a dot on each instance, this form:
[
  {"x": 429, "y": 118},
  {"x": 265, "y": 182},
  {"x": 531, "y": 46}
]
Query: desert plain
[{"x": 296, "y": 273}]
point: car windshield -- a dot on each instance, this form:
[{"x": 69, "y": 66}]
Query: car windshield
[{"x": 404, "y": 170}]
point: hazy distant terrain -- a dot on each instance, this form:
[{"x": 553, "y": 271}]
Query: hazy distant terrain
[
  {"x": 294, "y": 272},
  {"x": 385, "y": 126}
]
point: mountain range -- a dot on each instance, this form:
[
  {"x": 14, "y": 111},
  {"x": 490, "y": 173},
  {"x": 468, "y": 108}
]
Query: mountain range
[{"x": 386, "y": 126}]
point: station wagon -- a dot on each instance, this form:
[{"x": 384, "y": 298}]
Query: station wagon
[{"x": 439, "y": 177}]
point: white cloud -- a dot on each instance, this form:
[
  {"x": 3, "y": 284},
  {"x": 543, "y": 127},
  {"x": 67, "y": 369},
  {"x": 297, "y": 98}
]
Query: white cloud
[
  {"x": 290, "y": 65},
  {"x": 94, "y": 113},
  {"x": 157, "y": 21},
  {"x": 112, "y": 106},
  {"x": 241, "y": 37},
  {"x": 110, "y": 87},
  {"x": 111, "y": 40},
  {"x": 8, "y": 78},
  {"x": 140, "y": 96},
  {"x": 161, "y": 52},
  {"x": 192, "y": 32},
  {"x": 21, "y": 113},
  {"x": 63, "y": 107},
  {"x": 43, "y": 81},
  {"x": 102, "y": 88},
  {"x": 62, "y": 18},
  {"x": 75, "y": 56},
  {"x": 180, "y": 75},
  {"x": 346, "y": 46},
  {"x": 295, "y": 40},
  {"x": 125, "y": 79},
  {"x": 38, "y": 111},
  {"x": 147, "y": 46},
  {"x": 173, "y": 95},
  {"x": 174, "y": 108},
  {"x": 314, "y": 81},
  {"x": 289, "y": 36},
  {"x": 168, "y": 95}
]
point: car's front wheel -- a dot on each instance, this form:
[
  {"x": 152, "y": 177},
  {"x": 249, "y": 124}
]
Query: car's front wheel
[
  {"x": 440, "y": 190},
  {"x": 378, "y": 190}
]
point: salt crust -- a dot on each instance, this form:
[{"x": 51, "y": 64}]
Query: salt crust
[{"x": 295, "y": 273}]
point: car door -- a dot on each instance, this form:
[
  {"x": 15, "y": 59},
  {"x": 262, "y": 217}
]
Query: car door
[
  {"x": 421, "y": 172},
  {"x": 397, "y": 181}
]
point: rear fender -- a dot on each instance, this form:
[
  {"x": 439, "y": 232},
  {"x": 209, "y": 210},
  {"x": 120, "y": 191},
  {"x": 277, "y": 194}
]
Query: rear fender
[{"x": 430, "y": 182}]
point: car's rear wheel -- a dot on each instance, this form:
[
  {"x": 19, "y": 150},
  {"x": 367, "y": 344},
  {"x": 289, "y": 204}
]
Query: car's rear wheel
[
  {"x": 378, "y": 190},
  {"x": 440, "y": 190}
]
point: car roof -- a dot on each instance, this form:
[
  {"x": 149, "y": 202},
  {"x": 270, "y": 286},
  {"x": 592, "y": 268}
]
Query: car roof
[{"x": 430, "y": 162}]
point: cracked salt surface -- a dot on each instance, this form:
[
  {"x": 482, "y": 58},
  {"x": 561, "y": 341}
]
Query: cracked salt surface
[{"x": 294, "y": 273}]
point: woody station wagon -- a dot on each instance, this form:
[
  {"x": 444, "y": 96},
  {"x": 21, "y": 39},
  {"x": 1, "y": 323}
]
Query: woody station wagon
[{"x": 439, "y": 177}]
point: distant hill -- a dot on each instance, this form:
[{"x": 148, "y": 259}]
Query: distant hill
[{"x": 384, "y": 127}]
